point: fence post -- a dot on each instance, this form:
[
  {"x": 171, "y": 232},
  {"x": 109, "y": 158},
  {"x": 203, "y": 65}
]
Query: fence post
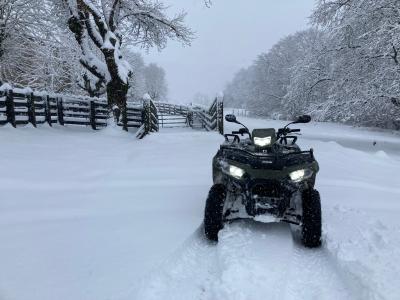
[
  {"x": 220, "y": 116},
  {"x": 125, "y": 117},
  {"x": 60, "y": 111},
  {"x": 156, "y": 115},
  {"x": 146, "y": 117},
  {"x": 10, "y": 109},
  {"x": 31, "y": 109},
  {"x": 47, "y": 108},
  {"x": 189, "y": 118},
  {"x": 93, "y": 114}
]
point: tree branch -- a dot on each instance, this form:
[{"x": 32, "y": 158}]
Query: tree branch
[{"x": 93, "y": 70}]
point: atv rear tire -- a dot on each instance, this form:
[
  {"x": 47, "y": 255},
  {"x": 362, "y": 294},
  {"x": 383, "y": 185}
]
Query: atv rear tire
[
  {"x": 311, "y": 227},
  {"x": 213, "y": 214}
]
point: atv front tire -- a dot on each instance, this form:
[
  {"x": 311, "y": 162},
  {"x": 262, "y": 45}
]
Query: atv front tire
[
  {"x": 311, "y": 225},
  {"x": 213, "y": 214}
]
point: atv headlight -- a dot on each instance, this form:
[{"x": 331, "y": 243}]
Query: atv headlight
[
  {"x": 300, "y": 175},
  {"x": 262, "y": 142},
  {"x": 231, "y": 170},
  {"x": 236, "y": 172}
]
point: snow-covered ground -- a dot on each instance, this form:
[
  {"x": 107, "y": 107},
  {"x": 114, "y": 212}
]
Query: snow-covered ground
[{"x": 101, "y": 215}]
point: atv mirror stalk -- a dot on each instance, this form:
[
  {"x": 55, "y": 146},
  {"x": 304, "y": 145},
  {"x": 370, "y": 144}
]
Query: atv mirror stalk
[
  {"x": 232, "y": 119},
  {"x": 300, "y": 119}
]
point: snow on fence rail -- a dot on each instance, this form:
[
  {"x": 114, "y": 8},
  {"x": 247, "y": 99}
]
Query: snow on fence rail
[
  {"x": 23, "y": 106},
  {"x": 172, "y": 115},
  {"x": 172, "y": 109},
  {"x": 211, "y": 119}
]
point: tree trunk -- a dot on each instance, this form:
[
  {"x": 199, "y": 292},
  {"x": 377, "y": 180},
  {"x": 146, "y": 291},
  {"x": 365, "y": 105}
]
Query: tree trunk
[
  {"x": 117, "y": 92},
  {"x": 117, "y": 95},
  {"x": 117, "y": 89}
]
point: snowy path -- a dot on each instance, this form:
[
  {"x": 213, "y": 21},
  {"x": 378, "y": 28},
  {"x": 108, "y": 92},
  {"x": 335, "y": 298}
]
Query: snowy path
[
  {"x": 100, "y": 215},
  {"x": 251, "y": 261},
  {"x": 262, "y": 261}
]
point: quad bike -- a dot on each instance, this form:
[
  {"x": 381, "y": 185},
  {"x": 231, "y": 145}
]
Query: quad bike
[{"x": 265, "y": 177}]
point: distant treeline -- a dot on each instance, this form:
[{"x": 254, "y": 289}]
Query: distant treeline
[{"x": 346, "y": 68}]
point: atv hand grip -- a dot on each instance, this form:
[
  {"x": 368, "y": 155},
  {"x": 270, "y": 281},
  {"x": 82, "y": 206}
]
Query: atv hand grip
[
  {"x": 295, "y": 130},
  {"x": 235, "y": 138}
]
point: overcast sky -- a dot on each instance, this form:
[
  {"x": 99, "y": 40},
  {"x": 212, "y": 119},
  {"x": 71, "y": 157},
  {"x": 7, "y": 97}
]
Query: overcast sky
[{"x": 229, "y": 36}]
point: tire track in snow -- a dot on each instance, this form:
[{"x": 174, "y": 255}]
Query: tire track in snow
[
  {"x": 315, "y": 275},
  {"x": 271, "y": 265},
  {"x": 366, "y": 254},
  {"x": 251, "y": 261},
  {"x": 187, "y": 274}
]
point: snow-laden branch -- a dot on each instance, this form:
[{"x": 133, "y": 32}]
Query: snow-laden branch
[{"x": 104, "y": 24}]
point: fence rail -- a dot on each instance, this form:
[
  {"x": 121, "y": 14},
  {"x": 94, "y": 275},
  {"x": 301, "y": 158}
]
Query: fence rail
[
  {"x": 211, "y": 119},
  {"x": 172, "y": 115},
  {"x": 195, "y": 116},
  {"x": 172, "y": 109},
  {"x": 22, "y": 107}
]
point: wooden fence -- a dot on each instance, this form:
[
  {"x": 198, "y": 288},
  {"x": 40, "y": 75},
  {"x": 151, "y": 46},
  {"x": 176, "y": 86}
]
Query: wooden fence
[
  {"x": 22, "y": 107},
  {"x": 172, "y": 115},
  {"x": 149, "y": 119},
  {"x": 211, "y": 119},
  {"x": 195, "y": 116},
  {"x": 19, "y": 107},
  {"x": 172, "y": 109}
]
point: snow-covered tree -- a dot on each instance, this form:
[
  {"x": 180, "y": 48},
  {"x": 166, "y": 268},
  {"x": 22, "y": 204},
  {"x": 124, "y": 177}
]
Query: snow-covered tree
[
  {"x": 239, "y": 92},
  {"x": 365, "y": 45},
  {"x": 202, "y": 99},
  {"x": 34, "y": 51},
  {"x": 156, "y": 85},
  {"x": 346, "y": 69},
  {"x": 19, "y": 20},
  {"x": 137, "y": 81},
  {"x": 105, "y": 24},
  {"x": 263, "y": 86},
  {"x": 23, "y": 29},
  {"x": 309, "y": 78}
]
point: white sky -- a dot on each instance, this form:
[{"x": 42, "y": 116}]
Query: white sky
[{"x": 229, "y": 35}]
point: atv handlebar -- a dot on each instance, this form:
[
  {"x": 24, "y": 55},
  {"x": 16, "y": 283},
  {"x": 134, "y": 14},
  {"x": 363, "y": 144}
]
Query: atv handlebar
[
  {"x": 281, "y": 135},
  {"x": 242, "y": 131},
  {"x": 285, "y": 131}
]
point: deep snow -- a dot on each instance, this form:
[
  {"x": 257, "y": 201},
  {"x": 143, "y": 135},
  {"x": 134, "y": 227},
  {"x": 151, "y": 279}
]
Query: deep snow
[{"x": 101, "y": 215}]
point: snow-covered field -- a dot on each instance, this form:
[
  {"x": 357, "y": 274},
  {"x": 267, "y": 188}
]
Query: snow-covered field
[{"x": 101, "y": 215}]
